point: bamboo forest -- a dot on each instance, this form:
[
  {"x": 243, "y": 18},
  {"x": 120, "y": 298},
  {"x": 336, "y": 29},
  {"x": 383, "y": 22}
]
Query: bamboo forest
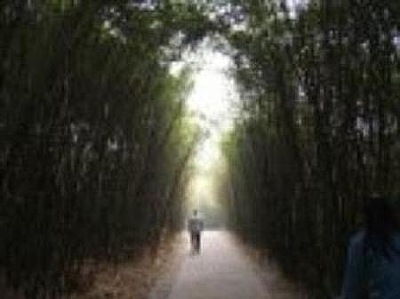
[{"x": 273, "y": 119}]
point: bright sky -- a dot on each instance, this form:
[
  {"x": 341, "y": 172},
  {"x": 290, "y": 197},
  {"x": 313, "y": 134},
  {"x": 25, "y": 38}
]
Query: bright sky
[
  {"x": 212, "y": 105},
  {"x": 212, "y": 101}
]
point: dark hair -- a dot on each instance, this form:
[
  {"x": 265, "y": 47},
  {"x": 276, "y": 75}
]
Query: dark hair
[{"x": 380, "y": 223}]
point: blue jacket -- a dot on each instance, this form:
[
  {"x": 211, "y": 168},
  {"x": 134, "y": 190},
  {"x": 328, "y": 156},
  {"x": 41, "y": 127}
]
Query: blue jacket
[{"x": 376, "y": 274}]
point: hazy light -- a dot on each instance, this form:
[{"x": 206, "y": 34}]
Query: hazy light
[
  {"x": 212, "y": 103},
  {"x": 210, "y": 97},
  {"x": 295, "y": 5}
]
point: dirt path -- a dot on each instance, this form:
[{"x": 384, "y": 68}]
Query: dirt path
[
  {"x": 222, "y": 271},
  {"x": 225, "y": 269}
]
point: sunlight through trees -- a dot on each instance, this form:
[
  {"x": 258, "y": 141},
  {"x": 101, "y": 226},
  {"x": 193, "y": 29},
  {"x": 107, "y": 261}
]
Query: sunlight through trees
[{"x": 118, "y": 116}]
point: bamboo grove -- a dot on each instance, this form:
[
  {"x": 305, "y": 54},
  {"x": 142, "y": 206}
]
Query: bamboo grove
[
  {"x": 320, "y": 129},
  {"x": 94, "y": 141}
]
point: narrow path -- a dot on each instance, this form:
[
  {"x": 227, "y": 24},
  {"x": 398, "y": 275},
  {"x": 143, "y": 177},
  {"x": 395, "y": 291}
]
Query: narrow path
[
  {"x": 223, "y": 271},
  {"x": 220, "y": 271}
]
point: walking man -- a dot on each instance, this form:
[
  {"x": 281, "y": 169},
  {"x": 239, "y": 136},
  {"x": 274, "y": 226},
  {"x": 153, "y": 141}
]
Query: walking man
[{"x": 195, "y": 227}]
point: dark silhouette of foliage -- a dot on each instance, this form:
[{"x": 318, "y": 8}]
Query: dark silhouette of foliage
[
  {"x": 93, "y": 137},
  {"x": 319, "y": 131}
]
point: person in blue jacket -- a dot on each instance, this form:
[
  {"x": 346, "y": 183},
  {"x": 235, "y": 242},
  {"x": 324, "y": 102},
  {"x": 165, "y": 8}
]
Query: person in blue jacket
[{"x": 373, "y": 258}]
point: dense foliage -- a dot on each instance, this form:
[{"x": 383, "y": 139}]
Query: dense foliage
[
  {"x": 94, "y": 141},
  {"x": 320, "y": 128}
]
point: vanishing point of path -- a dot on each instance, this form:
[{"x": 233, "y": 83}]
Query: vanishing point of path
[{"x": 223, "y": 271}]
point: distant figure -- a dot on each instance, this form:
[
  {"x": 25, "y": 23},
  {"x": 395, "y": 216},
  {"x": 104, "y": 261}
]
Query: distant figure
[
  {"x": 195, "y": 227},
  {"x": 373, "y": 261}
]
